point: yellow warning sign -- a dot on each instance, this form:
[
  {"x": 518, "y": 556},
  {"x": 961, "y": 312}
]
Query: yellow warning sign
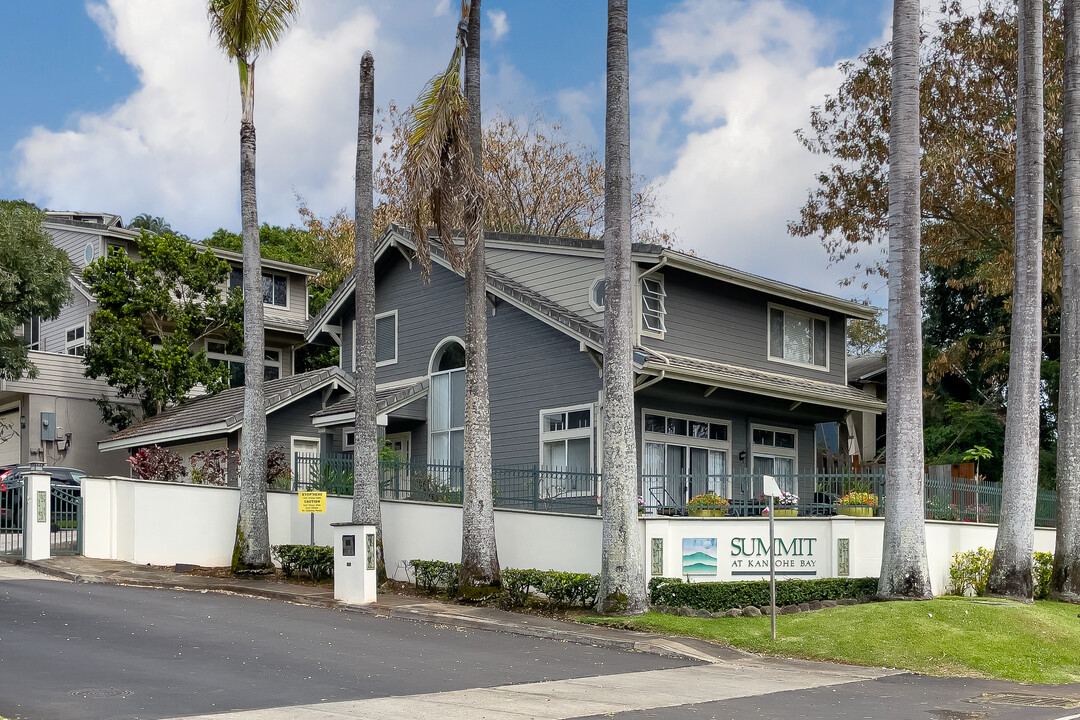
[{"x": 312, "y": 502}]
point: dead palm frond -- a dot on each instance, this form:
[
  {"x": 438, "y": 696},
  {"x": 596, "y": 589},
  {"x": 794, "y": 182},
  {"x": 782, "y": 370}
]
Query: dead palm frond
[{"x": 441, "y": 180}]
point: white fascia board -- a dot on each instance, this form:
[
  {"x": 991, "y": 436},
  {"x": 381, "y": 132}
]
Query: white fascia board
[
  {"x": 335, "y": 419},
  {"x": 164, "y": 436}
]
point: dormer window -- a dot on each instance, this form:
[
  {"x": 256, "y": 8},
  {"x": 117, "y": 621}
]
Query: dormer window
[
  {"x": 652, "y": 305},
  {"x": 798, "y": 337},
  {"x": 275, "y": 287}
]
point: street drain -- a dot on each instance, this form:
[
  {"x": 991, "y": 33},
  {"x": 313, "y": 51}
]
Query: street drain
[
  {"x": 1028, "y": 700},
  {"x": 99, "y": 693}
]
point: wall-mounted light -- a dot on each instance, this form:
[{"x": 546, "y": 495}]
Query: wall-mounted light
[
  {"x": 742, "y": 456},
  {"x": 22, "y": 422}
]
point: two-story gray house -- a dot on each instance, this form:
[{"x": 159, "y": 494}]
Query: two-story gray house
[
  {"x": 56, "y": 418},
  {"x": 732, "y": 370}
]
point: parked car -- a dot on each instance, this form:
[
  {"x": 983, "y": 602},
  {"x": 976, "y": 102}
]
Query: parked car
[{"x": 11, "y": 497}]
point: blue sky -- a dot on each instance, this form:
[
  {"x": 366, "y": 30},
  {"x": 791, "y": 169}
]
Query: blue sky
[{"x": 125, "y": 106}]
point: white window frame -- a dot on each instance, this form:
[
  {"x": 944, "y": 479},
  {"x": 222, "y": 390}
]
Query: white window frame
[
  {"x": 267, "y": 362},
  {"x": 265, "y": 273},
  {"x": 644, "y": 329},
  {"x": 814, "y": 316},
  {"x": 78, "y": 342},
  {"x": 33, "y": 340},
  {"x": 392, "y": 361},
  {"x": 345, "y": 433},
  {"x": 287, "y": 289},
  {"x": 771, "y": 451},
  {"x": 432, "y": 372},
  {"x": 570, "y": 434},
  {"x": 598, "y": 307},
  {"x": 687, "y": 441}
]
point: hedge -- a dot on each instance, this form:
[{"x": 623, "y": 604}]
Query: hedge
[
  {"x": 969, "y": 572},
  {"x": 315, "y": 561},
  {"x": 560, "y": 588},
  {"x": 718, "y": 596}
]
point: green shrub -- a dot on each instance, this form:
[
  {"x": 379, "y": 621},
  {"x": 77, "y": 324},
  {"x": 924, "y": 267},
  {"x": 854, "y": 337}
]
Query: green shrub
[
  {"x": 1044, "y": 567},
  {"x": 717, "y": 596},
  {"x": 969, "y": 572},
  {"x": 315, "y": 561},
  {"x": 435, "y": 575}
]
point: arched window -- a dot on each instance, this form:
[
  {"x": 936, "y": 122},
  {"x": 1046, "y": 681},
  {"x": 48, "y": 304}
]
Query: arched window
[{"x": 446, "y": 408}]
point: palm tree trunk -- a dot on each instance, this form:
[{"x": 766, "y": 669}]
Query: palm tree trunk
[
  {"x": 252, "y": 534},
  {"x": 1010, "y": 570},
  {"x": 622, "y": 580},
  {"x": 1065, "y": 578},
  {"x": 904, "y": 570},
  {"x": 479, "y": 555},
  {"x": 366, "y": 506}
]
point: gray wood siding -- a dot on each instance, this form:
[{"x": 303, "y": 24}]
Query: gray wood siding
[
  {"x": 73, "y": 242},
  {"x": 565, "y": 279},
  {"x": 295, "y": 419},
  {"x": 59, "y": 376},
  {"x": 721, "y": 322},
  {"x": 53, "y": 333}
]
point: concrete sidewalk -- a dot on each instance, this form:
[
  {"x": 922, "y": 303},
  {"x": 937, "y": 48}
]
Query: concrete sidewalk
[{"x": 76, "y": 568}]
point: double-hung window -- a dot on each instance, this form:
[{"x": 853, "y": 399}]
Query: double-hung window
[
  {"x": 385, "y": 339},
  {"x": 776, "y": 453},
  {"x": 566, "y": 451},
  {"x": 684, "y": 456},
  {"x": 75, "y": 340},
  {"x": 797, "y": 337},
  {"x": 32, "y": 333},
  {"x": 275, "y": 287}
]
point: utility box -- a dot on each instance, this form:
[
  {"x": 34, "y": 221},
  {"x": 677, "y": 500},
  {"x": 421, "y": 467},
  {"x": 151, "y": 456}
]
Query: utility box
[
  {"x": 48, "y": 426},
  {"x": 355, "y": 577}
]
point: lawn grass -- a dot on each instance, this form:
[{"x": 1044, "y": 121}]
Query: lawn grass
[{"x": 947, "y": 636}]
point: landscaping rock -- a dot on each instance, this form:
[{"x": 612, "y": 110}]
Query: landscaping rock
[
  {"x": 788, "y": 610},
  {"x": 828, "y": 603},
  {"x": 766, "y": 609},
  {"x": 846, "y": 601},
  {"x": 698, "y": 612},
  {"x": 734, "y": 612},
  {"x": 816, "y": 605},
  {"x": 720, "y": 614},
  {"x": 751, "y": 612},
  {"x": 804, "y": 607}
]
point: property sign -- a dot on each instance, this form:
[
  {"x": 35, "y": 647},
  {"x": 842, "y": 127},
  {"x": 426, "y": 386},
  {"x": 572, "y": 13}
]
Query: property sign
[{"x": 312, "y": 502}]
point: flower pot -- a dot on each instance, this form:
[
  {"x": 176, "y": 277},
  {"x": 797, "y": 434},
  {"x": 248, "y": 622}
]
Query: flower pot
[
  {"x": 787, "y": 512},
  {"x": 855, "y": 510},
  {"x": 706, "y": 512}
]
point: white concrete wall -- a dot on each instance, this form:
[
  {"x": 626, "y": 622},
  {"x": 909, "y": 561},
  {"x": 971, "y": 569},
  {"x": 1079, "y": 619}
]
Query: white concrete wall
[{"x": 168, "y": 523}]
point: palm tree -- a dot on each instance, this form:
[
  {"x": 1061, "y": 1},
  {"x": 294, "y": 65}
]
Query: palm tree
[
  {"x": 622, "y": 578},
  {"x": 1010, "y": 570},
  {"x": 366, "y": 506},
  {"x": 904, "y": 570},
  {"x": 445, "y": 184},
  {"x": 1065, "y": 578},
  {"x": 145, "y": 221},
  {"x": 243, "y": 29}
]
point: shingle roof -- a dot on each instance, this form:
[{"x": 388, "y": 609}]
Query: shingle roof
[
  {"x": 225, "y": 411},
  {"x": 734, "y": 377},
  {"x": 386, "y": 401}
]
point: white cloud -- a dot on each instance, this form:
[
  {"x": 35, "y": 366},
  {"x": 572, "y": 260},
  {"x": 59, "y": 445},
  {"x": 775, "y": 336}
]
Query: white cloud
[
  {"x": 172, "y": 147},
  {"x": 725, "y": 84},
  {"x": 499, "y": 24}
]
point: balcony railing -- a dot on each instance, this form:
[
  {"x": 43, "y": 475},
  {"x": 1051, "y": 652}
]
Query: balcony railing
[{"x": 528, "y": 486}]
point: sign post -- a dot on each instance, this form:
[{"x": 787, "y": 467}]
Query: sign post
[
  {"x": 772, "y": 490},
  {"x": 312, "y": 502}
]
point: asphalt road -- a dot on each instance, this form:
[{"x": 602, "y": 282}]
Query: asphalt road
[
  {"x": 102, "y": 651},
  {"x": 98, "y": 651}
]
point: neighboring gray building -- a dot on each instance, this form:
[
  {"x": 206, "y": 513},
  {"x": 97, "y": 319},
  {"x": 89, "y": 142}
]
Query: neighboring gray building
[
  {"x": 732, "y": 370},
  {"x": 54, "y": 414}
]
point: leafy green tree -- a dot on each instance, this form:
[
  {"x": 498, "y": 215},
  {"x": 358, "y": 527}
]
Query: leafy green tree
[
  {"x": 153, "y": 315},
  {"x": 33, "y": 282}
]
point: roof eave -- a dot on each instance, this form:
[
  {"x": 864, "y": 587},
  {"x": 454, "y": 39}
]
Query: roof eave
[{"x": 756, "y": 282}]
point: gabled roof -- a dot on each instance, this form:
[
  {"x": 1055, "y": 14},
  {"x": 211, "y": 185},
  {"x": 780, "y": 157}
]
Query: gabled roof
[
  {"x": 386, "y": 402},
  {"x": 734, "y": 377},
  {"x": 866, "y": 368},
  {"x": 222, "y": 413}
]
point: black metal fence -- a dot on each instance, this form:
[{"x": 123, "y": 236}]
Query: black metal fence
[{"x": 535, "y": 487}]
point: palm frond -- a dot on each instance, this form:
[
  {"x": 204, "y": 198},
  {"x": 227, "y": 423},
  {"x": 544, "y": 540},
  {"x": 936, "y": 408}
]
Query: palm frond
[
  {"x": 243, "y": 28},
  {"x": 438, "y": 163}
]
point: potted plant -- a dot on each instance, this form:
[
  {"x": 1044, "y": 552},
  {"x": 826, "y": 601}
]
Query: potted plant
[
  {"x": 785, "y": 504},
  {"x": 858, "y": 504},
  {"x": 707, "y": 505}
]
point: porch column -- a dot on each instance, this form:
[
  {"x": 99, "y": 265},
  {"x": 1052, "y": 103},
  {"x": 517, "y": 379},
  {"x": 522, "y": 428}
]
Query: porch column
[{"x": 36, "y": 492}]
